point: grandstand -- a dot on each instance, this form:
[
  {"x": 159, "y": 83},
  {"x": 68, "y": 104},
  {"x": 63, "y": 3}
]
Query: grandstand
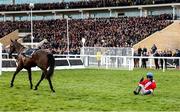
[{"x": 101, "y": 23}]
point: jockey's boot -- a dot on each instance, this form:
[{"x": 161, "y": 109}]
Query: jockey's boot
[
  {"x": 138, "y": 89},
  {"x": 135, "y": 93}
]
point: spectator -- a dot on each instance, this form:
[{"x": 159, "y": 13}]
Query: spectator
[
  {"x": 176, "y": 61},
  {"x": 156, "y": 60},
  {"x": 154, "y": 48}
]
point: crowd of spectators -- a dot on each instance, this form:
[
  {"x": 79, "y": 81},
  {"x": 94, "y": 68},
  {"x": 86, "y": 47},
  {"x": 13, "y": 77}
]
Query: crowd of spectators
[
  {"x": 99, "y": 32},
  {"x": 82, "y": 4},
  {"x": 162, "y": 63}
]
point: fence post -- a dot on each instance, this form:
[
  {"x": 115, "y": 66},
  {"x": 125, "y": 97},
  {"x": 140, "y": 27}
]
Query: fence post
[
  {"x": 163, "y": 65},
  {"x": 116, "y": 62},
  {"x": 132, "y": 63},
  {"x": 107, "y": 62},
  {"x": 140, "y": 61},
  {"x": 125, "y": 61},
  {"x": 86, "y": 62},
  {"x": 129, "y": 64},
  {"x": 150, "y": 61}
]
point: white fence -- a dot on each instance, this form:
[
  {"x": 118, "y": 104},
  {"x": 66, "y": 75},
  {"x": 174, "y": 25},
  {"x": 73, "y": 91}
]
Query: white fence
[
  {"x": 107, "y": 62},
  {"x": 113, "y": 62},
  {"x": 104, "y": 60}
]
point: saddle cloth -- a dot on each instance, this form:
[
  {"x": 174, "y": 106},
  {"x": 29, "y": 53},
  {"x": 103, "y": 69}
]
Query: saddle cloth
[{"x": 29, "y": 52}]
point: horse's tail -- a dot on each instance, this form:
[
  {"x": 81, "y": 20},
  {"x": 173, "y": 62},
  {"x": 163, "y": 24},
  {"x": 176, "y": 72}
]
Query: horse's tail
[{"x": 51, "y": 63}]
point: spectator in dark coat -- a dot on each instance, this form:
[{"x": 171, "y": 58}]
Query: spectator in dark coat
[
  {"x": 153, "y": 49},
  {"x": 156, "y": 60},
  {"x": 176, "y": 61}
]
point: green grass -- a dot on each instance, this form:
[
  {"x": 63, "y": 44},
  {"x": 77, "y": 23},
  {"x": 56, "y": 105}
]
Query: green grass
[{"x": 90, "y": 90}]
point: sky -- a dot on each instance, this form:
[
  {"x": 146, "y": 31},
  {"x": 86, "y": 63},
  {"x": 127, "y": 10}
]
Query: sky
[{"x": 33, "y": 1}]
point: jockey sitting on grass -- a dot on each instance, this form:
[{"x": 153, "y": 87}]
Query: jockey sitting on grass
[{"x": 147, "y": 86}]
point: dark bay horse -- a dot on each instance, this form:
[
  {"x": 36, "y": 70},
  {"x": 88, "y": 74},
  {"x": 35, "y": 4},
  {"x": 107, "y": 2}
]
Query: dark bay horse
[{"x": 41, "y": 58}]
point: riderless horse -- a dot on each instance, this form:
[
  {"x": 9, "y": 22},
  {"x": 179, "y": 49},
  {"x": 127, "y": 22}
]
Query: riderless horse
[{"x": 41, "y": 58}]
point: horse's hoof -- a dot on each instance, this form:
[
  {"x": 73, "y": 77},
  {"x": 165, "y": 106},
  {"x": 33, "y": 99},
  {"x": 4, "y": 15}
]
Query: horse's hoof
[
  {"x": 35, "y": 88},
  {"x": 11, "y": 85},
  {"x": 53, "y": 91}
]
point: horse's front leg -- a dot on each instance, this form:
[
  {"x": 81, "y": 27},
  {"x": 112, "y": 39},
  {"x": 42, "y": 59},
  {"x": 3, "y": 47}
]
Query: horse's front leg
[
  {"x": 30, "y": 78},
  {"x": 18, "y": 69}
]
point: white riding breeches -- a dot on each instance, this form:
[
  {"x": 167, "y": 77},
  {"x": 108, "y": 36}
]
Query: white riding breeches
[{"x": 143, "y": 90}]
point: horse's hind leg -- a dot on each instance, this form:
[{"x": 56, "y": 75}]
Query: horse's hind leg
[
  {"x": 18, "y": 69},
  {"x": 30, "y": 78},
  {"x": 42, "y": 77},
  {"x": 50, "y": 84}
]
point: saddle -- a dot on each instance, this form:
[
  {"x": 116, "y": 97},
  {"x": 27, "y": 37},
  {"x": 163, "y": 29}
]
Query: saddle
[{"x": 28, "y": 52}]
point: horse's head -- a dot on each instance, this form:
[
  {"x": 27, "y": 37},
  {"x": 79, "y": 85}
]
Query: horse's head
[
  {"x": 11, "y": 48},
  {"x": 14, "y": 47}
]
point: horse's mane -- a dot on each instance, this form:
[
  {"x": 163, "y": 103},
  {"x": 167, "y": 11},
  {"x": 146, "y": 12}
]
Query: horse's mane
[{"x": 19, "y": 44}]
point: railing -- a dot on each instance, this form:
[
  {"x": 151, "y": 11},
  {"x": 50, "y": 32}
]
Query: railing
[
  {"x": 106, "y": 61},
  {"x": 67, "y": 62}
]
